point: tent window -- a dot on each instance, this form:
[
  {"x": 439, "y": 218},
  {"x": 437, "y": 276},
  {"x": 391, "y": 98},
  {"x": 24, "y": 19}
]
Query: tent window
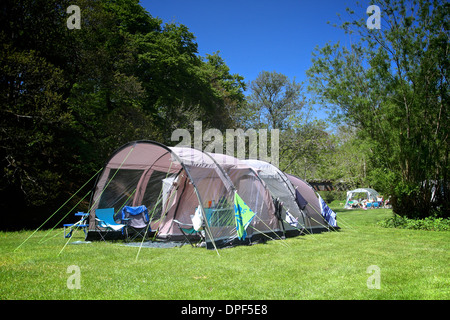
[{"x": 121, "y": 189}]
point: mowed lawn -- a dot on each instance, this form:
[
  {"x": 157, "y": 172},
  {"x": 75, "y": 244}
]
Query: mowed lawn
[{"x": 411, "y": 264}]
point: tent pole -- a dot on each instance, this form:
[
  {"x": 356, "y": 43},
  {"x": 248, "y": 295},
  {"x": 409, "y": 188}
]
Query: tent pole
[
  {"x": 117, "y": 170},
  {"x": 207, "y": 229}
]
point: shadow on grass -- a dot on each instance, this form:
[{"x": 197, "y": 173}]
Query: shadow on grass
[{"x": 337, "y": 210}]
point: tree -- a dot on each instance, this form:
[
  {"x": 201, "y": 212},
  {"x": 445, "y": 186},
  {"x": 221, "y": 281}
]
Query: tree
[
  {"x": 392, "y": 84},
  {"x": 33, "y": 88},
  {"x": 349, "y": 160},
  {"x": 229, "y": 92},
  {"x": 275, "y": 101},
  {"x": 306, "y": 148},
  {"x": 69, "y": 97}
]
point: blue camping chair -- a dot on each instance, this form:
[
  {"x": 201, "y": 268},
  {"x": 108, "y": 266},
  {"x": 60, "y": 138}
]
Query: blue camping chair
[
  {"x": 369, "y": 205},
  {"x": 105, "y": 220},
  {"x": 136, "y": 220}
]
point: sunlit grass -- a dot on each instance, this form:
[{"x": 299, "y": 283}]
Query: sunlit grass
[{"x": 413, "y": 264}]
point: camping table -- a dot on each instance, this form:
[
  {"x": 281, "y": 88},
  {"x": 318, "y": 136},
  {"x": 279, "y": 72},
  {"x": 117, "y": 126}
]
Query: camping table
[{"x": 70, "y": 225}]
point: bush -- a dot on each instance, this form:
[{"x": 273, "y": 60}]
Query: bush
[
  {"x": 416, "y": 201},
  {"x": 429, "y": 223}
]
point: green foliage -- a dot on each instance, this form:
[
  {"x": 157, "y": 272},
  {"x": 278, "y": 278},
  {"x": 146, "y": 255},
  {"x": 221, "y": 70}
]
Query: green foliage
[
  {"x": 348, "y": 161},
  {"x": 33, "y": 119},
  {"x": 392, "y": 85},
  {"x": 305, "y": 148},
  {"x": 71, "y": 97},
  {"x": 275, "y": 101},
  {"x": 330, "y": 196},
  {"x": 428, "y": 223}
]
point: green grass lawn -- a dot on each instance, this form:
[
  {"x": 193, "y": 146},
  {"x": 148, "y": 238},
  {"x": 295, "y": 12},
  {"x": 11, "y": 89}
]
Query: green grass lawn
[{"x": 413, "y": 264}]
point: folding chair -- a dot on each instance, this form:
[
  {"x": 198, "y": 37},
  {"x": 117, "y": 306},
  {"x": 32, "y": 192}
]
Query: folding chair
[
  {"x": 189, "y": 232},
  {"x": 136, "y": 221},
  {"x": 105, "y": 220}
]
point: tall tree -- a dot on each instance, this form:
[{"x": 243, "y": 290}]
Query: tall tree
[
  {"x": 305, "y": 148},
  {"x": 392, "y": 84},
  {"x": 275, "y": 101},
  {"x": 33, "y": 85},
  {"x": 69, "y": 97}
]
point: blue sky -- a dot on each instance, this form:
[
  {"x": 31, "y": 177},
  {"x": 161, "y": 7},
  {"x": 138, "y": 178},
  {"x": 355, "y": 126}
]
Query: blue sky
[{"x": 257, "y": 35}]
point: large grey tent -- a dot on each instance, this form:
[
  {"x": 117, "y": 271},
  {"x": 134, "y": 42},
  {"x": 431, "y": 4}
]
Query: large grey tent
[{"x": 175, "y": 183}]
